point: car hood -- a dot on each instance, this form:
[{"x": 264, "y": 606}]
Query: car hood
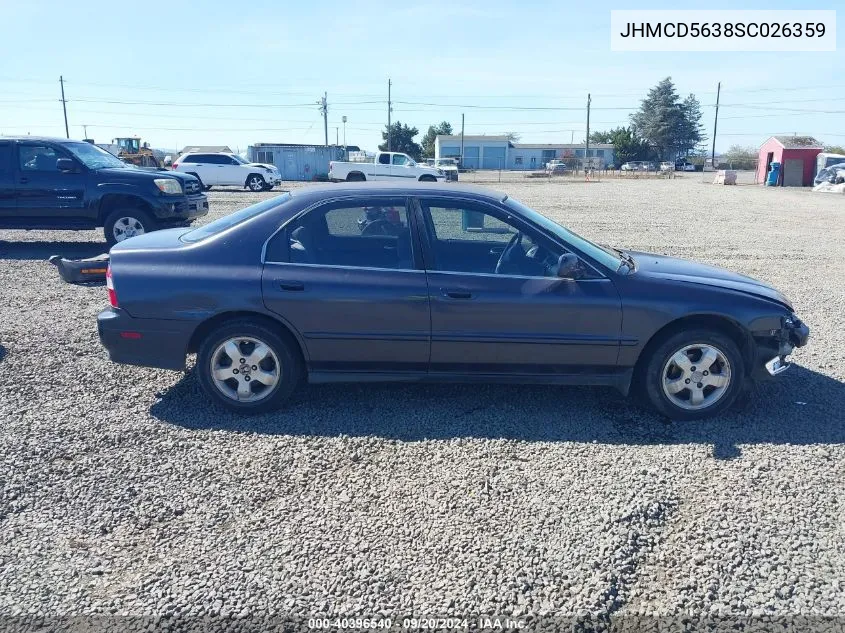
[
  {"x": 683, "y": 270},
  {"x": 137, "y": 174},
  {"x": 263, "y": 165}
]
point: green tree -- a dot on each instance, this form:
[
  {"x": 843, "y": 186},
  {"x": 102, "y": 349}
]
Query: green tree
[
  {"x": 513, "y": 137},
  {"x": 671, "y": 126},
  {"x": 627, "y": 145},
  {"x": 691, "y": 133},
  {"x": 401, "y": 140},
  {"x": 427, "y": 144},
  {"x": 834, "y": 149}
]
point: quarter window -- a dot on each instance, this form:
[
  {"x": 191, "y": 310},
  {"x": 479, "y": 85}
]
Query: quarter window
[
  {"x": 38, "y": 158},
  {"x": 367, "y": 234}
]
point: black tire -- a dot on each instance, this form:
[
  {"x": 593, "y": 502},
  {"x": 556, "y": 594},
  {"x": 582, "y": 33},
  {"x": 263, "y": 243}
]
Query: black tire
[
  {"x": 658, "y": 362},
  {"x": 355, "y": 176},
  {"x": 427, "y": 178},
  {"x": 126, "y": 220},
  {"x": 268, "y": 187},
  {"x": 290, "y": 368},
  {"x": 255, "y": 182},
  {"x": 197, "y": 176}
]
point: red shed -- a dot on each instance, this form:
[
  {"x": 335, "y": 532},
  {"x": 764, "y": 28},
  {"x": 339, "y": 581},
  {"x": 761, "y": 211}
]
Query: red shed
[{"x": 797, "y": 158}]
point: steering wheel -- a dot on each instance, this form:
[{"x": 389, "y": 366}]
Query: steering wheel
[
  {"x": 514, "y": 243},
  {"x": 379, "y": 226}
]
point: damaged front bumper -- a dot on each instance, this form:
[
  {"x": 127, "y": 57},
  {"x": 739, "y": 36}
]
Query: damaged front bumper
[{"x": 774, "y": 346}]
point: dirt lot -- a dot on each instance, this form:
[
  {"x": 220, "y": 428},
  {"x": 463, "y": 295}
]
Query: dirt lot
[{"x": 123, "y": 491}]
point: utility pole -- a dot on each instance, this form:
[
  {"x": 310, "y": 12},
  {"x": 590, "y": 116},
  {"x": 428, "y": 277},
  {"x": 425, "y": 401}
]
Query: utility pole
[
  {"x": 85, "y": 130},
  {"x": 337, "y": 135},
  {"x": 715, "y": 123},
  {"x": 389, "y": 110},
  {"x": 324, "y": 108},
  {"x": 462, "y": 139},
  {"x": 587, "y": 144},
  {"x": 64, "y": 104},
  {"x": 345, "y": 151}
]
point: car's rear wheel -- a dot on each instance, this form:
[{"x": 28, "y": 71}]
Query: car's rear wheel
[
  {"x": 356, "y": 176},
  {"x": 255, "y": 182},
  {"x": 694, "y": 374},
  {"x": 125, "y": 223},
  {"x": 247, "y": 366},
  {"x": 427, "y": 178}
]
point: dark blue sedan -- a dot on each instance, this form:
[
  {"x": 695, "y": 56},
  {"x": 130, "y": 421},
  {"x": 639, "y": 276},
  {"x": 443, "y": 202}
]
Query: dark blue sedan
[{"x": 374, "y": 282}]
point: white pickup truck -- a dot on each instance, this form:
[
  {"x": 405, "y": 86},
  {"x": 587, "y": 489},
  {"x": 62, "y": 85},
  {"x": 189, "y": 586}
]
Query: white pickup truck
[{"x": 384, "y": 166}]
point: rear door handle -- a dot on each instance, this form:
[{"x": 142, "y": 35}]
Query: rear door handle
[
  {"x": 456, "y": 294},
  {"x": 292, "y": 286}
]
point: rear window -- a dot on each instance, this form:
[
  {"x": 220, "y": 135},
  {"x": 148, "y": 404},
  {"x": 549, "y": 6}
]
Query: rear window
[{"x": 228, "y": 221}]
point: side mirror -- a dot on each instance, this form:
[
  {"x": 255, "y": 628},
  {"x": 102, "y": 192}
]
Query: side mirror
[
  {"x": 65, "y": 164},
  {"x": 568, "y": 266}
]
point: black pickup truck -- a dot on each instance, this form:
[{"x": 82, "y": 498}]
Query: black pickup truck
[{"x": 48, "y": 183}]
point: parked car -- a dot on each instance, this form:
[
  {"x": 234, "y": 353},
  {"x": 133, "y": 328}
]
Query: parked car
[
  {"x": 471, "y": 286},
  {"x": 684, "y": 165},
  {"x": 49, "y": 183},
  {"x": 555, "y": 168},
  {"x": 629, "y": 166},
  {"x": 666, "y": 166},
  {"x": 384, "y": 166},
  {"x": 449, "y": 167},
  {"x": 228, "y": 169}
]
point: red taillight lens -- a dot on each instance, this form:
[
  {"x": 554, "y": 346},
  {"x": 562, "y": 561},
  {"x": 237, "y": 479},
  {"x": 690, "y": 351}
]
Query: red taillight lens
[
  {"x": 110, "y": 287},
  {"x": 174, "y": 165}
]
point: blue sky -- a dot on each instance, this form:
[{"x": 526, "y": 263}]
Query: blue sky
[{"x": 237, "y": 73}]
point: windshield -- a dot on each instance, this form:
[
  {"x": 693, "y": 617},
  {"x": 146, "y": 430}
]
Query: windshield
[
  {"x": 228, "y": 221},
  {"x": 94, "y": 157},
  {"x": 242, "y": 161},
  {"x": 604, "y": 256}
]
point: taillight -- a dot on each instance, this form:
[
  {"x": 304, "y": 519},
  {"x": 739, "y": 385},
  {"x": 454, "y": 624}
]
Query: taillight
[
  {"x": 174, "y": 165},
  {"x": 331, "y": 165},
  {"x": 110, "y": 287}
]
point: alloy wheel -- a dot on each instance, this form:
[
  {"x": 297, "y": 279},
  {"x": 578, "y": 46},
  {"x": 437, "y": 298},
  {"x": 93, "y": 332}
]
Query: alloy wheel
[
  {"x": 696, "y": 376},
  {"x": 245, "y": 369},
  {"x": 127, "y": 227}
]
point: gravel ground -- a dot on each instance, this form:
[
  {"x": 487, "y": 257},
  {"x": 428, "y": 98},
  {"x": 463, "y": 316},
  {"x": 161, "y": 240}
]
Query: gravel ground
[{"x": 124, "y": 492}]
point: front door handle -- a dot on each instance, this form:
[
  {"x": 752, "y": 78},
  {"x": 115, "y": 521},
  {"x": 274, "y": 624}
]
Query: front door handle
[
  {"x": 456, "y": 294},
  {"x": 24, "y": 179},
  {"x": 292, "y": 286}
]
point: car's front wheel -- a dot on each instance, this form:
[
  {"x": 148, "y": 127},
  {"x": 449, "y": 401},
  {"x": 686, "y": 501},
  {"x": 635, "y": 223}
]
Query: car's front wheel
[
  {"x": 125, "y": 223},
  {"x": 255, "y": 182},
  {"x": 694, "y": 374},
  {"x": 248, "y": 367}
]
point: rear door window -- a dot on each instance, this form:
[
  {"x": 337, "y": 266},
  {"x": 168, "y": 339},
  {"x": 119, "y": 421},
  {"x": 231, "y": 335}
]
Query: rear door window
[{"x": 373, "y": 233}]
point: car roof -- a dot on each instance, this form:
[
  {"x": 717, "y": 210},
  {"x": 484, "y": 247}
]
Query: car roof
[
  {"x": 400, "y": 189},
  {"x": 50, "y": 139}
]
